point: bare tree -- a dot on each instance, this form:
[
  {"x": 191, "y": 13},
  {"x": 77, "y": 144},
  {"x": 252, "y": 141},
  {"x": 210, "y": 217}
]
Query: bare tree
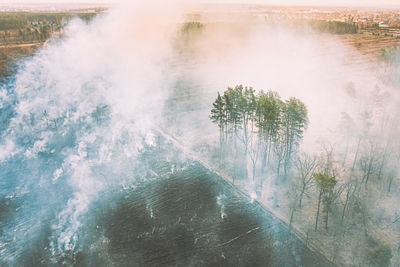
[
  {"x": 329, "y": 199},
  {"x": 368, "y": 164},
  {"x": 347, "y": 129},
  {"x": 294, "y": 199},
  {"x": 305, "y": 167},
  {"x": 350, "y": 189},
  {"x": 391, "y": 175}
]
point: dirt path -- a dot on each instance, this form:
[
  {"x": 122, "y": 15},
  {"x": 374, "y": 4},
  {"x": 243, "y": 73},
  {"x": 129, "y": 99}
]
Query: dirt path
[{"x": 20, "y": 45}]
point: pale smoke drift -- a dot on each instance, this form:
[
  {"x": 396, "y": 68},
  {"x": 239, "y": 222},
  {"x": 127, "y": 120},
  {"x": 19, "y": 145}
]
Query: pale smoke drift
[
  {"x": 316, "y": 68},
  {"x": 309, "y": 66}
]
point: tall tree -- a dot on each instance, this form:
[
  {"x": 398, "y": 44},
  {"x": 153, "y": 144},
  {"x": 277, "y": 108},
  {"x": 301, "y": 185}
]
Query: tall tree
[
  {"x": 363, "y": 133},
  {"x": 347, "y": 130},
  {"x": 368, "y": 163},
  {"x": 295, "y": 120},
  {"x": 218, "y": 116},
  {"x": 232, "y": 101},
  {"x": 246, "y": 108},
  {"x": 268, "y": 112},
  {"x": 232, "y": 98},
  {"x": 305, "y": 166},
  {"x": 350, "y": 190},
  {"x": 325, "y": 185}
]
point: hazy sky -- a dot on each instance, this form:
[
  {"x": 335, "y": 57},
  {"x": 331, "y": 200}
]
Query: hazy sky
[{"x": 272, "y": 2}]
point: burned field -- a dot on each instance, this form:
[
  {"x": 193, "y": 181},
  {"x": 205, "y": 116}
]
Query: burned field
[
  {"x": 189, "y": 217},
  {"x": 193, "y": 218}
]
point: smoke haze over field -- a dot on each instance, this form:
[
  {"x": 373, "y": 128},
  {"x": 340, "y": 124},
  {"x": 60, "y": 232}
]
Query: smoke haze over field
[
  {"x": 265, "y": 2},
  {"x": 79, "y": 112},
  {"x": 83, "y": 103}
]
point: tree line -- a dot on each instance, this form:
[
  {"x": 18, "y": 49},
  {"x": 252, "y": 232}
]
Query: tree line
[
  {"x": 21, "y": 20},
  {"x": 335, "y": 27},
  {"x": 34, "y": 27},
  {"x": 328, "y": 26},
  {"x": 258, "y": 126}
]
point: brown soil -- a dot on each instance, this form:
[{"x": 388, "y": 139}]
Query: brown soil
[{"x": 11, "y": 54}]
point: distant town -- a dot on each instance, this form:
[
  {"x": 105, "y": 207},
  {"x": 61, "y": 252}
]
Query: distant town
[{"x": 373, "y": 21}]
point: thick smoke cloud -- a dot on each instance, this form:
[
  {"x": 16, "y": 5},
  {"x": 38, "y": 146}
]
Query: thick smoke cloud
[{"x": 82, "y": 108}]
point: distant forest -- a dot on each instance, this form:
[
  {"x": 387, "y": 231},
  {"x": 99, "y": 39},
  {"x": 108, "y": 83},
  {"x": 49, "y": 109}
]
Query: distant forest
[
  {"x": 20, "y": 20},
  {"x": 18, "y": 28},
  {"x": 334, "y": 27}
]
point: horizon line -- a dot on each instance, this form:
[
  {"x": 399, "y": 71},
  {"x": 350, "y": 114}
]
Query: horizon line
[{"x": 111, "y": 3}]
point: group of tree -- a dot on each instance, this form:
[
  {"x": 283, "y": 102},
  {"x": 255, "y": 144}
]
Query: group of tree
[
  {"x": 345, "y": 181},
  {"x": 338, "y": 185},
  {"x": 259, "y": 126},
  {"x": 17, "y": 27},
  {"x": 322, "y": 180},
  {"x": 391, "y": 59},
  {"x": 19, "y": 20},
  {"x": 188, "y": 35},
  {"x": 334, "y": 27},
  {"x": 390, "y": 55},
  {"x": 341, "y": 183}
]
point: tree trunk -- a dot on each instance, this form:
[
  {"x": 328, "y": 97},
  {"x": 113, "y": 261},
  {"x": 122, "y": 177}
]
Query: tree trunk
[
  {"x": 291, "y": 217},
  {"x": 319, "y": 204},
  {"x": 220, "y": 146},
  {"x": 269, "y": 151},
  {"x": 254, "y": 170},
  {"x": 264, "y": 160},
  {"x": 286, "y": 162},
  {"x": 278, "y": 169},
  {"x": 301, "y": 196},
  {"x": 391, "y": 177},
  {"x": 369, "y": 170},
  {"x": 284, "y": 169},
  {"x": 234, "y": 157},
  {"x": 344, "y": 207},
  {"x": 356, "y": 155},
  {"x": 382, "y": 162},
  {"x": 364, "y": 223},
  {"x": 345, "y": 152},
  {"x": 288, "y": 157},
  {"x": 326, "y": 218}
]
